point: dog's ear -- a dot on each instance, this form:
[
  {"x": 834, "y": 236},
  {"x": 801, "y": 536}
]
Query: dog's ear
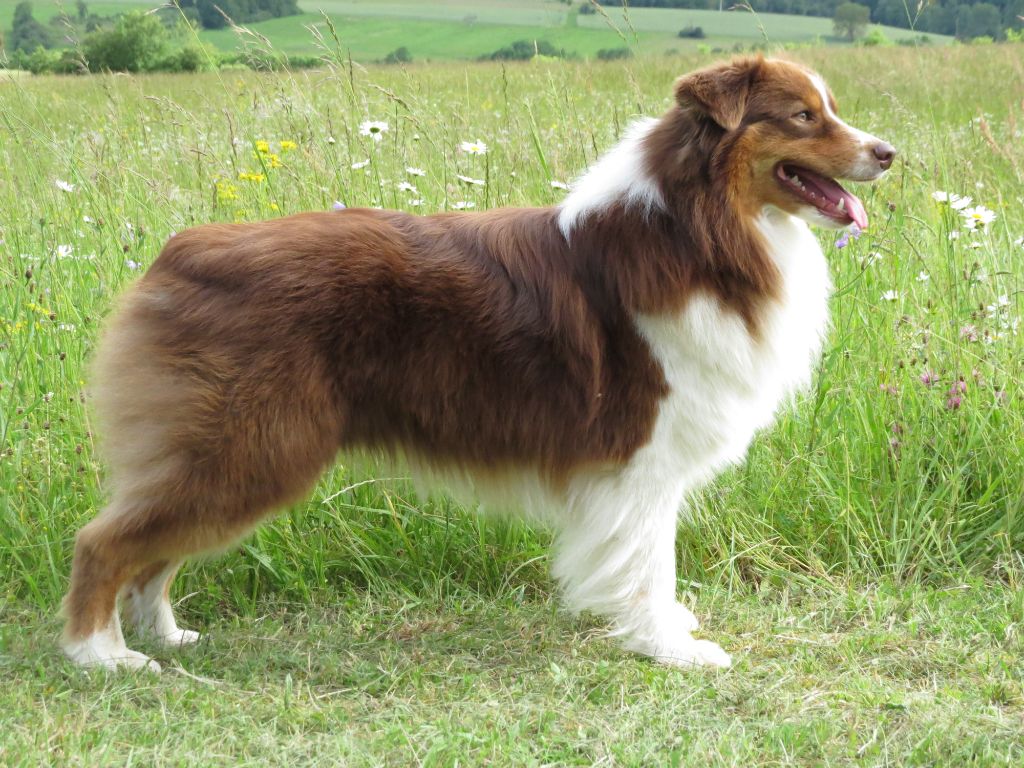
[{"x": 720, "y": 91}]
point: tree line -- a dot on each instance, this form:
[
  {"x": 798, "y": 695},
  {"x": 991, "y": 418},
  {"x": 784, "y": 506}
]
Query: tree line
[{"x": 964, "y": 20}]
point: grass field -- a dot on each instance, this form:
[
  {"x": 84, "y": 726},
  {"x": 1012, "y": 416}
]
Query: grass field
[
  {"x": 463, "y": 29},
  {"x": 863, "y": 567}
]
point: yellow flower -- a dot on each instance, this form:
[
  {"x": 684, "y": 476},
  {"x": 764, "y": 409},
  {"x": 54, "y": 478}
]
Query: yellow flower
[
  {"x": 288, "y": 145},
  {"x": 274, "y": 161},
  {"x": 263, "y": 146},
  {"x": 226, "y": 191},
  {"x": 273, "y": 207},
  {"x": 257, "y": 177}
]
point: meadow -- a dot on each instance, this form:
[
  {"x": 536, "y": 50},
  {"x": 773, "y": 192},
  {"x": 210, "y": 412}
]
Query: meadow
[
  {"x": 864, "y": 566},
  {"x": 465, "y": 29}
]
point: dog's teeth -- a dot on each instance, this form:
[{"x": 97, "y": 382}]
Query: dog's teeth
[
  {"x": 841, "y": 206},
  {"x": 795, "y": 179}
]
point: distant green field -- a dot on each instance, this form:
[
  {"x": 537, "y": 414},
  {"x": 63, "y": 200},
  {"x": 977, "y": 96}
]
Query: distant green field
[{"x": 461, "y": 29}]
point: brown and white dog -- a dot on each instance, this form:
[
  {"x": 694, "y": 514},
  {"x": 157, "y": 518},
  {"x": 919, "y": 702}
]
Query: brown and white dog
[{"x": 590, "y": 363}]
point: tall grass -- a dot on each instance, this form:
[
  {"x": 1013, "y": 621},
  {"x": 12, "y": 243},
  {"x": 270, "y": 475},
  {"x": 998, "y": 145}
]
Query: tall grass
[{"x": 873, "y": 472}]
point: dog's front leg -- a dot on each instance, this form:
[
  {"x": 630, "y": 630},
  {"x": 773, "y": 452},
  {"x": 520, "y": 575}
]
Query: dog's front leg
[{"x": 616, "y": 557}]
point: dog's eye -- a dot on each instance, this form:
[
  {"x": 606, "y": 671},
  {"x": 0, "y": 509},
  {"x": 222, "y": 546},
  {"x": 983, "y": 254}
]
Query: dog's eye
[{"x": 804, "y": 116}]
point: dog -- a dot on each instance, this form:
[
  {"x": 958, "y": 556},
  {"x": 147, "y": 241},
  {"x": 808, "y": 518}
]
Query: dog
[{"x": 590, "y": 363}]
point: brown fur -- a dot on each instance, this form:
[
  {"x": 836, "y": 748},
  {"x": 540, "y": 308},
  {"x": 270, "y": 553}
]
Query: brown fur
[{"x": 250, "y": 354}]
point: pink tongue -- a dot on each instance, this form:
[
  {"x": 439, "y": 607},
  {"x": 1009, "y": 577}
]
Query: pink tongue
[
  {"x": 855, "y": 208},
  {"x": 835, "y": 192}
]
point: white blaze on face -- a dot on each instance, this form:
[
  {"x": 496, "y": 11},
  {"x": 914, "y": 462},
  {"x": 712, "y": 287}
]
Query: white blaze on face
[{"x": 868, "y": 168}]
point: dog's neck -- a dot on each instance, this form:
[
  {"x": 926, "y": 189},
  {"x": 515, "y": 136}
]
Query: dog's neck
[{"x": 656, "y": 210}]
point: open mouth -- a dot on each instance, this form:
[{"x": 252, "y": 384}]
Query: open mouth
[{"x": 822, "y": 193}]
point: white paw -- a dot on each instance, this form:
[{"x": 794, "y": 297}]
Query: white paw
[
  {"x": 685, "y": 619},
  {"x": 694, "y": 653},
  {"x": 92, "y": 652},
  {"x": 179, "y": 637}
]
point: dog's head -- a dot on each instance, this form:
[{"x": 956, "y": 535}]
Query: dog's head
[{"x": 782, "y": 142}]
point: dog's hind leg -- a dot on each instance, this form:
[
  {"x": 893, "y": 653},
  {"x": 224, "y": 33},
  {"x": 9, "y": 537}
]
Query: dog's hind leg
[
  {"x": 616, "y": 557},
  {"x": 147, "y": 605},
  {"x": 105, "y": 559}
]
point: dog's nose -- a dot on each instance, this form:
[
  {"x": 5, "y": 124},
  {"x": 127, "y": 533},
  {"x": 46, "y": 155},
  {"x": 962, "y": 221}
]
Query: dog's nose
[{"x": 885, "y": 152}]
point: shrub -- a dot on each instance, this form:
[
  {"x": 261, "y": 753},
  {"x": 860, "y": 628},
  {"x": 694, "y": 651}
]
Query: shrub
[
  {"x": 524, "y": 50},
  {"x": 194, "y": 57},
  {"x": 610, "y": 54},
  {"x": 695, "y": 33},
  {"x": 875, "y": 36},
  {"x": 586, "y": 8},
  {"x": 137, "y": 43},
  {"x": 398, "y": 56}
]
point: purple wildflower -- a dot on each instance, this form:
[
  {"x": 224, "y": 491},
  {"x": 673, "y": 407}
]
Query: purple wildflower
[
  {"x": 853, "y": 232},
  {"x": 954, "y": 402},
  {"x": 928, "y": 378},
  {"x": 339, "y": 206}
]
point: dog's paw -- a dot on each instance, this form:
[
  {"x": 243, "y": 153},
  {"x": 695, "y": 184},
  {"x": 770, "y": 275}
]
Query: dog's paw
[
  {"x": 695, "y": 653},
  {"x": 179, "y": 637},
  {"x": 685, "y": 620},
  {"x": 91, "y": 655}
]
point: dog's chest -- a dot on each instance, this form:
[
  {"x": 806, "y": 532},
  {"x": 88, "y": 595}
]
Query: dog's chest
[{"x": 726, "y": 384}]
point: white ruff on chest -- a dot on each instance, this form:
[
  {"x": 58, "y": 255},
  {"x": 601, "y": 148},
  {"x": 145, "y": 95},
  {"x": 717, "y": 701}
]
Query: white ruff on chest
[{"x": 724, "y": 386}]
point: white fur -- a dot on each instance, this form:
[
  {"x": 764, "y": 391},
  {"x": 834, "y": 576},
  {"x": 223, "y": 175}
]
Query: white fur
[
  {"x": 150, "y": 611},
  {"x": 616, "y": 553},
  {"x": 105, "y": 648},
  {"x": 867, "y": 168},
  {"x": 618, "y": 176}
]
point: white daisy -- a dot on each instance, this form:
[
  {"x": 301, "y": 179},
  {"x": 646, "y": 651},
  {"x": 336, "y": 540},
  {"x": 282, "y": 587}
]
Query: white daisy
[
  {"x": 470, "y": 180},
  {"x": 360, "y": 164},
  {"x": 463, "y": 205},
  {"x": 64, "y": 186},
  {"x": 405, "y": 186},
  {"x": 890, "y": 296},
  {"x": 413, "y": 171},
  {"x": 977, "y": 217},
  {"x": 959, "y": 203},
  {"x": 375, "y": 129},
  {"x": 473, "y": 147},
  {"x": 559, "y": 185},
  {"x": 64, "y": 251},
  {"x": 923, "y": 277},
  {"x": 416, "y": 203}
]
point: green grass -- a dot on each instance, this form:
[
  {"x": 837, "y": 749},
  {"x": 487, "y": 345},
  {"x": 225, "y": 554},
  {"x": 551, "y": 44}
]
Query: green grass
[
  {"x": 373, "y": 626},
  {"x": 823, "y": 677},
  {"x": 461, "y": 29}
]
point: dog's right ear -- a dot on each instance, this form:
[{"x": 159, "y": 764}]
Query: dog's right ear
[{"x": 720, "y": 91}]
